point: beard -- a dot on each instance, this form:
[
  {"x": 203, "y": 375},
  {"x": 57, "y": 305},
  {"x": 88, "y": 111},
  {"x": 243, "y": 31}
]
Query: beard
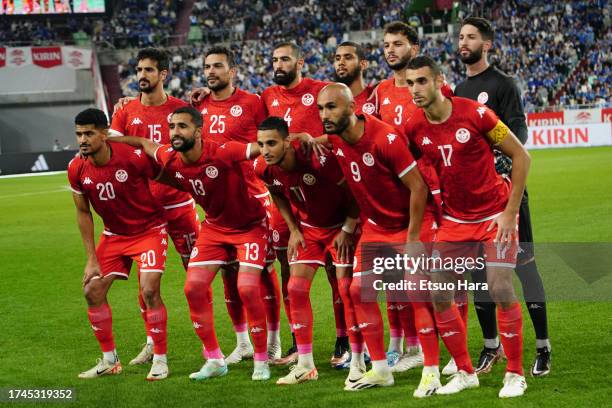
[
  {"x": 186, "y": 145},
  {"x": 148, "y": 88},
  {"x": 349, "y": 78},
  {"x": 401, "y": 64},
  {"x": 339, "y": 126},
  {"x": 285, "y": 78},
  {"x": 220, "y": 85},
  {"x": 472, "y": 58}
]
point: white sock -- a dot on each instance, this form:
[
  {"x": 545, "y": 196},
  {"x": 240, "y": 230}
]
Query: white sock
[
  {"x": 396, "y": 344},
  {"x": 149, "y": 340},
  {"x": 273, "y": 336},
  {"x": 357, "y": 360},
  {"x": 491, "y": 343},
  {"x": 381, "y": 367},
  {"x": 110, "y": 356},
  {"x": 543, "y": 343},
  {"x": 242, "y": 337},
  {"x": 259, "y": 364},
  {"x": 161, "y": 358},
  {"x": 306, "y": 360},
  {"x": 431, "y": 370}
]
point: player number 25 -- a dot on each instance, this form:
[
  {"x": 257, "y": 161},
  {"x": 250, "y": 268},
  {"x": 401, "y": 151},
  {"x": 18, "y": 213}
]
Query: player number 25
[
  {"x": 251, "y": 251},
  {"x": 106, "y": 191},
  {"x": 447, "y": 152},
  {"x": 217, "y": 124},
  {"x": 155, "y": 133}
]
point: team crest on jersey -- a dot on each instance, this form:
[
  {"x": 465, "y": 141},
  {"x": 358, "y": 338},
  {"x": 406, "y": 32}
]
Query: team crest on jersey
[
  {"x": 275, "y": 236},
  {"x": 368, "y": 159},
  {"x": 194, "y": 252},
  {"x": 307, "y": 99},
  {"x": 169, "y": 117},
  {"x": 481, "y": 111},
  {"x": 309, "y": 179},
  {"x": 462, "y": 135},
  {"x": 368, "y": 108},
  {"x": 391, "y": 137},
  {"x": 483, "y": 97},
  {"x": 236, "y": 111},
  {"x": 121, "y": 175},
  {"x": 212, "y": 172}
]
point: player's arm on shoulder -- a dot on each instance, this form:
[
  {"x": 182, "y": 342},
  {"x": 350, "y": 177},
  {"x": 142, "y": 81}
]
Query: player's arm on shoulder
[
  {"x": 319, "y": 145},
  {"x": 237, "y": 151},
  {"x": 121, "y": 104},
  {"x": 146, "y": 145},
  {"x": 86, "y": 227},
  {"x": 165, "y": 178}
]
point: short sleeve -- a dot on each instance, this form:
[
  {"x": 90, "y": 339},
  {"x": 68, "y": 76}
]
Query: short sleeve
[
  {"x": 396, "y": 155},
  {"x": 489, "y": 124},
  {"x": 73, "y": 176},
  {"x": 145, "y": 165},
  {"x": 234, "y": 151},
  {"x": 330, "y": 168},
  {"x": 118, "y": 124},
  {"x": 162, "y": 154}
]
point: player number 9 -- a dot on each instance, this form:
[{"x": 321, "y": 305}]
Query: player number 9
[{"x": 355, "y": 171}]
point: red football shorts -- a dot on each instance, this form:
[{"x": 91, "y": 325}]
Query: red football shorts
[
  {"x": 220, "y": 246},
  {"x": 183, "y": 227},
  {"x": 319, "y": 241},
  {"x": 468, "y": 240},
  {"x": 116, "y": 252}
]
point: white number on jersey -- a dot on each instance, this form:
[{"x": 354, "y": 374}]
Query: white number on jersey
[
  {"x": 399, "y": 109},
  {"x": 287, "y": 117},
  {"x": 197, "y": 186},
  {"x": 446, "y": 156},
  {"x": 147, "y": 259},
  {"x": 355, "y": 171},
  {"x": 217, "y": 124},
  {"x": 298, "y": 193},
  {"x": 107, "y": 192},
  {"x": 155, "y": 133},
  {"x": 251, "y": 251}
]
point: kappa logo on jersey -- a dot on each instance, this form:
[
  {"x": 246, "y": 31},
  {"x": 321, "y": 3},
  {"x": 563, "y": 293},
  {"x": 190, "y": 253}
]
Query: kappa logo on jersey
[
  {"x": 338, "y": 301},
  {"x": 483, "y": 97},
  {"x": 368, "y": 108},
  {"x": 196, "y": 325},
  {"x": 425, "y": 141},
  {"x": 169, "y": 117},
  {"x": 164, "y": 242},
  {"x": 121, "y": 175},
  {"x": 508, "y": 335},
  {"x": 95, "y": 328},
  {"x": 256, "y": 329},
  {"x": 275, "y": 103},
  {"x": 448, "y": 334},
  {"x": 339, "y": 153},
  {"x": 212, "y": 172},
  {"x": 178, "y": 175},
  {"x": 368, "y": 159},
  {"x": 277, "y": 183},
  {"x": 364, "y": 325},
  {"x": 322, "y": 159},
  {"x": 204, "y": 111},
  {"x": 309, "y": 179},
  {"x": 87, "y": 181},
  {"x": 391, "y": 137},
  {"x": 136, "y": 121},
  {"x": 168, "y": 150},
  {"x": 481, "y": 111},
  {"x": 354, "y": 329},
  {"x": 426, "y": 330},
  {"x": 386, "y": 101},
  {"x": 194, "y": 252},
  {"x": 138, "y": 152},
  {"x": 298, "y": 326},
  {"x": 462, "y": 135},
  {"x": 307, "y": 99},
  {"x": 156, "y": 330},
  {"x": 236, "y": 111}
]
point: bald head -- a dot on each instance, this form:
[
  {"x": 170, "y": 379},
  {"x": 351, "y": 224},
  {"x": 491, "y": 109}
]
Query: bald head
[{"x": 336, "y": 106}]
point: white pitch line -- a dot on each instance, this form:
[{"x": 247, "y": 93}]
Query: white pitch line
[
  {"x": 63, "y": 189},
  {"x": 47, "y": 173}
]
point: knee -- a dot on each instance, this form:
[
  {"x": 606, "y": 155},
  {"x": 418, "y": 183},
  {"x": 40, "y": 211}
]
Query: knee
[
  {"x": 150, "y": 295},
  {"x": 195, "y": 290},
  {"x": 296, "y": 290},
  {"x": 93, "y": 293},
  {"x": 355, "y": 290},
  {"x": 501, "y": 291}
]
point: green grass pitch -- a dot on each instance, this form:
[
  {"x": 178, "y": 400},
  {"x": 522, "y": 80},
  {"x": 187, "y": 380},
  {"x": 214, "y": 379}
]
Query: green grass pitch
[{"x": 45, "y": 340}]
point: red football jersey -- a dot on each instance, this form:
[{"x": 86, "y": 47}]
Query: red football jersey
[
  {"x": 298, "y": 106},
  {"x": 312, "y": 188},
  {"x": 118, "y": 191},
  {"x": 395, "y": 105},
  {"x": 460, "y": 149},
  {"x": 235, "y": 119},
  {"x": 365, "y": 102},
  {"x": 373, "y": 167},
  {"x": 216, "y": 182},
  {"x": 151, "y": 122}
]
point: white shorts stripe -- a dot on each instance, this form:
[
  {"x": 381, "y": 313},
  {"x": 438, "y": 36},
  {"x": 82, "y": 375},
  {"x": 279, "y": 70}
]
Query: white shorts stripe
[
  {"x": 203, "y": 263},
  {"x": 184, "y": 203},
  {"x": 152, "y": 270},
  {"x": 407, "y": 169},
  {"x": 501, "y": 265},
  {"x": 343, "y": 265},
  {"x": 307, "y": 261},
  {"x": 251, "y": 265},
  {"x": 262, "y": 195},
  {"x": 75, "y": 191},
  {"x": 457, "y": 220}
]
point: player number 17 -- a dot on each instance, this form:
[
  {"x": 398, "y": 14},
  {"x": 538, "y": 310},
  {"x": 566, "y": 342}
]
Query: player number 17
[{"x": 447, "y": 152}]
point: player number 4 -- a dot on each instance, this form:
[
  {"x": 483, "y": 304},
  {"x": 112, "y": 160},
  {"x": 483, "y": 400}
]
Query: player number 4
[
  {"x": 447, "y": 152},
  {"x": 251, "y": 251},
  {"x": 155, "y": 133},
  {"x": 287, "y": 117}
]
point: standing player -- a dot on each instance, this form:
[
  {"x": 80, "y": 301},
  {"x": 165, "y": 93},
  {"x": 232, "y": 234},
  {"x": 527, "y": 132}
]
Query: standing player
[
  {"x": 391, "y": 195},
  {"x": 493, "y": 88},
  {"x": 114, "y": 177},
  {"x": 235, "y": 227},
  {"x": 294, "y": 99},
  {"x": 349, "y": 64},
  {"x": 231, "y": 114},
  {"x": 147, "y": 116},
  {"x": 325, "y": 223},
  {"x": 457, "y": 135}
]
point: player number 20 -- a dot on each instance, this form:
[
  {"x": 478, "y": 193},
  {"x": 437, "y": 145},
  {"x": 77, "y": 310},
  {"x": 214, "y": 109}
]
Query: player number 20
[
  {"x": 251, "y": 251},
  {"x": 217, "y": 124},
  {"x": 447, "y": 152},
  {"x": 355, "y": 172},
  {"x": 105, "y": 191},
  {"x": 147, "y": 259}
]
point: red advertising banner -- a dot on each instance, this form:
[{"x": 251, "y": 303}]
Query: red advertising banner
[
  {"x": 606, "y": 115},
  {"x": 2, "y": 57},
  {"x": 47, "y": 57},
  {"x": 545, "y": 118}
]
